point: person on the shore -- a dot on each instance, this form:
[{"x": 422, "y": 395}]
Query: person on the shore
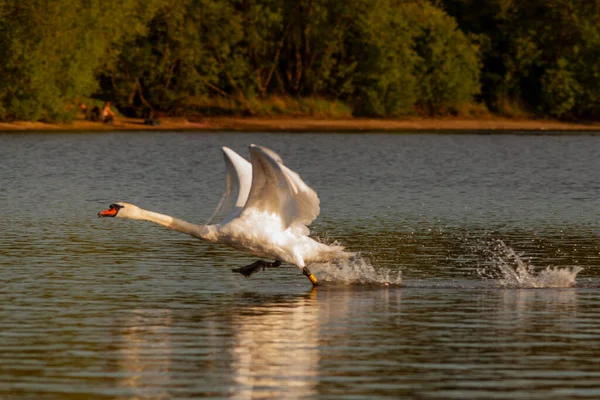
[
  {"x": 84, "y": 110},
  {"x": 108, "y": 115}
]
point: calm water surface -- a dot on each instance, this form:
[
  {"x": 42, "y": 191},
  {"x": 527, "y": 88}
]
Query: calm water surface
[{"x": 487, "y": 233}]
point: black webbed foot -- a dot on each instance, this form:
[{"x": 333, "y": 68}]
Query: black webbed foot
[{"x": 253, "y": 268}]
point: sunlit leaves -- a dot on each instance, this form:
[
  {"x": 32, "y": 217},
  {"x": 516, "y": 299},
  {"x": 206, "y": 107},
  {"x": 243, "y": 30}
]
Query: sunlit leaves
[
  {"x": 542, "y": 53},
  {"x": 381, "y": 57},
  {"x": 52, "y": 51}
]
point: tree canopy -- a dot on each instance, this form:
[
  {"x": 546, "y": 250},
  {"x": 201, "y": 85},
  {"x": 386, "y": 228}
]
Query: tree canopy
[{"x": 383, "y": 58}]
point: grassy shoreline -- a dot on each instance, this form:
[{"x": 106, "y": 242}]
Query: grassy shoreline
[{"x": 274, "y": 124}]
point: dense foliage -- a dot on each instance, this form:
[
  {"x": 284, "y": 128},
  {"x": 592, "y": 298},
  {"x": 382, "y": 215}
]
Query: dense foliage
[
  {"x": 53, "y": 50},
  {"x": 540, "y": 56},
  {"x": 321, "y": 57}
]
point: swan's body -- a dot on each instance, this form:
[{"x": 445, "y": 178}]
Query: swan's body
[{"x": 268, "y": 217}]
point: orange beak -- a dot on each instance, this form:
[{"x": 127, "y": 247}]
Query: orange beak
[{"x": 111, "y": 212}]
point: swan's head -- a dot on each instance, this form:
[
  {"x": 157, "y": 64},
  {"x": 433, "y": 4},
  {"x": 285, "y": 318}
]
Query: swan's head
[{"x": 120, "y": 210}]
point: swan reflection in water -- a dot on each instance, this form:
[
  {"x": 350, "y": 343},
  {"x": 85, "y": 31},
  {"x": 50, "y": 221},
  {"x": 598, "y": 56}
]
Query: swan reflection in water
[
  {"x": 255, "y": 347},
  {"x": 146, "y": 353},
  {"x": 270, "y": 350},
  {"x": 275, "y": 350},
  {"x": 274, "y": 346},
  {"x": 279, "y": 348}
]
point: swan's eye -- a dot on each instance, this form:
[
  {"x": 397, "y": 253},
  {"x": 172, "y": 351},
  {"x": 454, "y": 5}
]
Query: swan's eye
[{"x": 115, "y": 206}]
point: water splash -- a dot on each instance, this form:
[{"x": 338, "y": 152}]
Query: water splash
[
  {"x": 515, "y": 272},
  {"x": 356, "y": 271}
]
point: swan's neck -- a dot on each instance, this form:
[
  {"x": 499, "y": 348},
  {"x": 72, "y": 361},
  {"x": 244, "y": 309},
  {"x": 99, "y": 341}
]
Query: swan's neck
[{"x": 204, "y": 232}]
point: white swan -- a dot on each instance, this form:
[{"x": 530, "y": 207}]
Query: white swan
[{"x": 268, "y": 218}]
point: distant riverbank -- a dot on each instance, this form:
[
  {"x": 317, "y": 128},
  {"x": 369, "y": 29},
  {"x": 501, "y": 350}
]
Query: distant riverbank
[{"x": 307, "y": 124}]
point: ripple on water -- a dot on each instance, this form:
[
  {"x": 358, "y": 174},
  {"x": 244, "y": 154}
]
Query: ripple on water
[{"x": 114, "y": 309}]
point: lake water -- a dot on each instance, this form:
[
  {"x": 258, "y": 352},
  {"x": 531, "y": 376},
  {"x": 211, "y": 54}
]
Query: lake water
[{"x": 490, "y": 244}]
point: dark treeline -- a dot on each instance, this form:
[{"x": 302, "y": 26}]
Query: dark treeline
[{"x": 383, "y": 58}]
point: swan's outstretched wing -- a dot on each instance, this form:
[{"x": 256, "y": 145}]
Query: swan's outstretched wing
[
  {"x": 276, "y": 189},
  {"x": 238, "y": 182}
]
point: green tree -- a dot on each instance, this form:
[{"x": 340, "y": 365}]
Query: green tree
[
  {"x": 380, "y": 48},
  {"x": 540, "y": 53},
  {"x": 383, "y": 57},
  {"x": 410, "y": 53},
  {"x": 52, "y": 51},
  {"x": 191, "y": 48},
  {"x": 447, "y": 72}
]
